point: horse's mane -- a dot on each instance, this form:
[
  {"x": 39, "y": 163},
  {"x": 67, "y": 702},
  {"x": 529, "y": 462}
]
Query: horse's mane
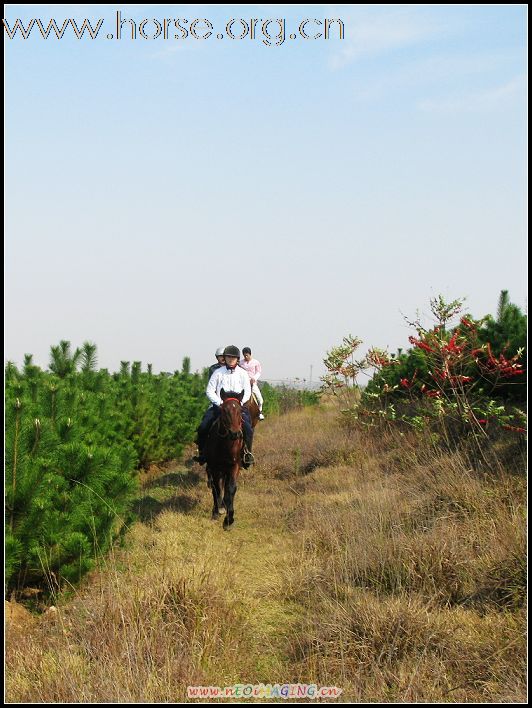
[{"x": 232, "y": 394}]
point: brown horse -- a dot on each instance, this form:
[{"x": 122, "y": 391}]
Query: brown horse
[
  {"x": 224, "y": 453},
  {"x": 254, "y": 410}
]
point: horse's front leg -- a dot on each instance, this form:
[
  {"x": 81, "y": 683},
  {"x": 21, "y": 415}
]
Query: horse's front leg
[
  {"x": 229, "y": 495},
  {"x": 221, "y": 495},
  {"x": 216, "y": 495}
]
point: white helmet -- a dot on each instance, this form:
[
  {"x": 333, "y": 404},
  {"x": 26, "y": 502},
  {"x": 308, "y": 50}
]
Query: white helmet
[{"x": 220, "y": 351}]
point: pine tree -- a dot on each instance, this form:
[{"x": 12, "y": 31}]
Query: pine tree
[
  {"x": 88, "y": 357},
  {"x": 74, "y": 441},
  {"x": 62, "y": 361}
]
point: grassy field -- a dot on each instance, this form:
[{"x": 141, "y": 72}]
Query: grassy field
[{"x": 370, "y": 564}]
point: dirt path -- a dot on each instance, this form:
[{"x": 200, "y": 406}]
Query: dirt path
[{"x": 250, "y": 564}]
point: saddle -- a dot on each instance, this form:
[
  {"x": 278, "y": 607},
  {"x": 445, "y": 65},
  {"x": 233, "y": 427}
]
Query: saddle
[{"x": 254, "y": 399}]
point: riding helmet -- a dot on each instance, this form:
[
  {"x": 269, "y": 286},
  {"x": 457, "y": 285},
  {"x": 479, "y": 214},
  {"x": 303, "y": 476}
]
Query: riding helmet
[{"x": 232, "y": 351}]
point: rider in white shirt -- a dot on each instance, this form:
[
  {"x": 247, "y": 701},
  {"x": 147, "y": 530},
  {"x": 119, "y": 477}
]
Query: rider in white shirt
[{"x": 230, "y": 378}]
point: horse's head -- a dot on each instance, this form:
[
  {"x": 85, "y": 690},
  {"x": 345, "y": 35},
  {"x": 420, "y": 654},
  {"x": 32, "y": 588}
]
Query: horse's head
[{"x": 231, "y": 413}]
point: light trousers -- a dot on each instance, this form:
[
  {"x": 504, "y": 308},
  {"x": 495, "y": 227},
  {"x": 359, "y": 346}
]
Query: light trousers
[{"x": 258, "y": 395}]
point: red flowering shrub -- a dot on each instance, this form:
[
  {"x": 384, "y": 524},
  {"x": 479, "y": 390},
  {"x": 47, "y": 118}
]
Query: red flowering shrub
[{"x": 449, "y": 375}]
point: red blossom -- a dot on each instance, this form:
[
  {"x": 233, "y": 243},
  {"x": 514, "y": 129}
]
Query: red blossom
[
  {"x": 408, "y": 384},
  {"x": 467, "y": 323},
  {"x": 492, "y": 360},
  {"x": 461, "y": 379},
  {"x": 420, "y": 344},
  {"x": 513, "y": 427},
  {"x": 514, "y": 370},
  {"x": 452, "y": 346},
  {"x": 378, "y": 360},
  {"x": 502, "y": 366}
]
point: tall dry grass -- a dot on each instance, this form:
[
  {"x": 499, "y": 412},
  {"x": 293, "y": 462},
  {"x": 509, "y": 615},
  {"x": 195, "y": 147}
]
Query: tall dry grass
[{"x": 364, "y": 562}]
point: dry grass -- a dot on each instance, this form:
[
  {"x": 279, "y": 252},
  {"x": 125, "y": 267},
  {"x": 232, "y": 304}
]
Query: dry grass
[{"x": 354, "y": 562}]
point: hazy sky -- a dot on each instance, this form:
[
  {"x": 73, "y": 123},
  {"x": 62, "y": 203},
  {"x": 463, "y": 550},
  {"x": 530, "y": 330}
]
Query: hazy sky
[{"x": 169, "y": 196}]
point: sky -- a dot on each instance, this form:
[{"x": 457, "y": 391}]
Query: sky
[{"x": 165, "y": 196}]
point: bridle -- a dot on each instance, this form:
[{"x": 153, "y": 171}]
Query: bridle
[{"x": 232, "y": 434}]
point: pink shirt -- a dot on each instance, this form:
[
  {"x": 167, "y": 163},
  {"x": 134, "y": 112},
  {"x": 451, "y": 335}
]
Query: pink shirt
[{"x": 253, "y": 368}]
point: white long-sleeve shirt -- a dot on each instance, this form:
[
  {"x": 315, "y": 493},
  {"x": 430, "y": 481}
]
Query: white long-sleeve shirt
[{"x": 236, "y": 380}]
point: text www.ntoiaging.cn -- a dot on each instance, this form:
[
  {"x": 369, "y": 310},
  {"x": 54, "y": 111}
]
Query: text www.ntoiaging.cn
[{"x": 285, "y": 690}]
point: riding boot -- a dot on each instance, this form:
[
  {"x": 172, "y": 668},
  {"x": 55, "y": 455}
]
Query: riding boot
[
  {"x": 248, "y": 458},
  {"x": 203, "y": 430},
  {"x": 200, "y": 457}
]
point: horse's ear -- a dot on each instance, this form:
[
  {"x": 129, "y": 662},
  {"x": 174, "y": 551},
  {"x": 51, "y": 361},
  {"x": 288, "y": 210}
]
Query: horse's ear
[
  {"x": 241, "y": 396},
  {"x": 223, "y": 394}
]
